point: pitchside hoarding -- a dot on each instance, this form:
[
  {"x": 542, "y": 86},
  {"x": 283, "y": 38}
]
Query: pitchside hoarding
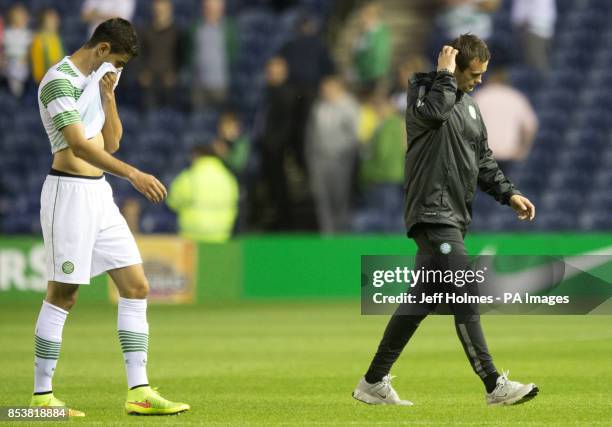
[{"x": 282, "y": 267}]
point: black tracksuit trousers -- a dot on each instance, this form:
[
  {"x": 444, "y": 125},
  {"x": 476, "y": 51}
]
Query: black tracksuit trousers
[{"x": 440, "y": 247}]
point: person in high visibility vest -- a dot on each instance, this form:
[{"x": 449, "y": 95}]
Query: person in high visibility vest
[{"x": 205, "y": 197}]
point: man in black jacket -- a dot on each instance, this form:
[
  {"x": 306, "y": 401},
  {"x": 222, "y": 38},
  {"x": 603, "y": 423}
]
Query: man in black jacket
[{"x": 447, "y": 158}]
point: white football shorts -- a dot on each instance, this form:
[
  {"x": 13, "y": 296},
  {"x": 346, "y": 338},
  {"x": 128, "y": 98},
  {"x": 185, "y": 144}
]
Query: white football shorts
[{"x": 84, "y": 232}]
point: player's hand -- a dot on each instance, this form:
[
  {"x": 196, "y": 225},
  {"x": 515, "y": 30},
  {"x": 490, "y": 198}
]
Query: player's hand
[
  {"x": 523, "y": 207},
  {"x": 107, "y": 85},
  {"x": 148, "y": 186},
  {"x": 446, "y": 59}
]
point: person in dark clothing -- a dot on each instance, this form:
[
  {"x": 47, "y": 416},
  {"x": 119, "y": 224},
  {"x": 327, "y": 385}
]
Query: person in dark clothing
[
  {"x": 309, "y": 61},
  {"x": 274, "y": 139},
  {"x": 159, "y": 58},
  {"x": 307, "y": 55},
  {"x": 447, "y": 158}
]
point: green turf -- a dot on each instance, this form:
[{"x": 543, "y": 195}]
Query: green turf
[{"x": 297, "y": 363}]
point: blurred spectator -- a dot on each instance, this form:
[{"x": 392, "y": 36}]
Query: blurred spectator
[
  {"x": 368, "y": 119},
  {"x": 372, "y": 51},
  {"x": 234, "y": 146},
  {"x": 17, "y": 39},
  {"x": 131, "y": 211},
  {"x": 535, "y": 23},
  {"x": 510, "y": 120},
  {"x": 309, "y": 61},
  {"x": 274, "y": 138},
  {"x": 213, "y": 49},
  {"x": 160, "y": 49},
  {"x": 405, "y": 71},
  {"x": 332, "y": 148},
  {"x": 468, "y": 16},
  {"x": 307, "y": 55},
  {"x": 94, "y": 12},
  {"x": 47, "y": 48},
  {"x": 382, "y": 172},
  {"x": 205, "y": 198}
]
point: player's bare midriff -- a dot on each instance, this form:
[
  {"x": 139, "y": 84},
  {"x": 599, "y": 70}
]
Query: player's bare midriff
[{"x": 65, "y": 160}]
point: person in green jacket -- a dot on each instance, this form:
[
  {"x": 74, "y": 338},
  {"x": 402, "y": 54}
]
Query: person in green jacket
[
  {"x": 372, "y": 52},
  {"x": 382, "y": 172},
  {"x": 205, "y": 197},
  {"x": 383, "y": 156},
  {"x": 235, "y": 146}
]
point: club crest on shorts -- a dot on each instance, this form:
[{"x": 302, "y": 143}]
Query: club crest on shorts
[
  {"x": 472, "y": 111},
  {"x": 446, "y": 248},
  {"x": 67, "y": 267}
]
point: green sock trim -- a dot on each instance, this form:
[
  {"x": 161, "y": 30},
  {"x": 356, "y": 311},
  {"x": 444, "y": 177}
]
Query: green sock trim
[
  {"x": 46, "y": 349},
  {"x": 133, "y": 341}
]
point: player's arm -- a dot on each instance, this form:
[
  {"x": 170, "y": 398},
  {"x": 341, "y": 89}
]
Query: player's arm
[
  {"x": 492, "y": 181},
  {"x": 435, "y": 107},
  {"x": 146, "y": 184},
  {"x": 112, "y": 129}
]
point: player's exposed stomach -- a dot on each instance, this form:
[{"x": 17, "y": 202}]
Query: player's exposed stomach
[{"x": 66, "y": 161}]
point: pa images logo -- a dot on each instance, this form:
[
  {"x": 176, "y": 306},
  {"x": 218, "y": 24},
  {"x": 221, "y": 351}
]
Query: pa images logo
[{"x": 67, "y": 267}]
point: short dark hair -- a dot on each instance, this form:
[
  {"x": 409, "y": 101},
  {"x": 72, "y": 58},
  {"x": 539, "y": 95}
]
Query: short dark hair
[
  {"x": 470, "y": 47},
  {"x": 42, "y": 14},
  {"x": 119, "y": 33},
  {"x": 229, "y": 115}
]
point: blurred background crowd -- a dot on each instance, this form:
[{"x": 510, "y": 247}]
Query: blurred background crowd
[{"x": 287, "y": 115}]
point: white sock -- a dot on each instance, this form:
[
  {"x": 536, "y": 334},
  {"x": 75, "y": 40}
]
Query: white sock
[
  {"x": 47, "y": 343},
  {"x": 133, "y": 332}
]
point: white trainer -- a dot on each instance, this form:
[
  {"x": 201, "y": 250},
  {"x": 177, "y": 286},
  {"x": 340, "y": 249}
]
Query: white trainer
[
  {"x": 380, "y": 393},
  {"x": 510, "y": 392}
]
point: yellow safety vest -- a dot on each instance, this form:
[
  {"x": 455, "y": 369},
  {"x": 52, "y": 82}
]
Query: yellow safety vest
[{"x": 205, "y": 197}]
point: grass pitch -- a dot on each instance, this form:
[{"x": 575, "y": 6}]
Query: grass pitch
[{"x": 296, "y": 363}]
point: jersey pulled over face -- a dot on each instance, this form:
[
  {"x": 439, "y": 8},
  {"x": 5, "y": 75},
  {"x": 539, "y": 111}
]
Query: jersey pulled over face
[{"x": 58, "y": 93}]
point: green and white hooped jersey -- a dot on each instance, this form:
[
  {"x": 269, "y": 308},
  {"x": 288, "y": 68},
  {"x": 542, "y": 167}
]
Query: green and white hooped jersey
[{"x": 58, "y": 93}]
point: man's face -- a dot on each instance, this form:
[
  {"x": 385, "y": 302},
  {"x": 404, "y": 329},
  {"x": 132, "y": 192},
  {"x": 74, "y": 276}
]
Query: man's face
[
  {"x": 162, "y": 10},
  {"x": 51, "y": 21},
  {"x": 229, "y": 128},
  {"x": 103, "y": 54},
  {"x": 368, "y": 16},
  {"x": 213, "y": 9},
  {"x": 469, "y": 78},
  {"x": 276, "y": 72}
]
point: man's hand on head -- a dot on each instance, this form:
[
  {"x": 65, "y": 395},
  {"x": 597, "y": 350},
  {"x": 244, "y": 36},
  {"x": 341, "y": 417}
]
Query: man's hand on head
[
  {"x": 446, "y": 59},
  {"x": 525, "y": 210}
]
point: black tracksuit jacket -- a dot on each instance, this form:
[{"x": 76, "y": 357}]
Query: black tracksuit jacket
[{"x": 447, "y": 155}]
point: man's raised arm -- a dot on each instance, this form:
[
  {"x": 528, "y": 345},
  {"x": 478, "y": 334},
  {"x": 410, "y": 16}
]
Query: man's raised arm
[{"x": 112, "y": 131}]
